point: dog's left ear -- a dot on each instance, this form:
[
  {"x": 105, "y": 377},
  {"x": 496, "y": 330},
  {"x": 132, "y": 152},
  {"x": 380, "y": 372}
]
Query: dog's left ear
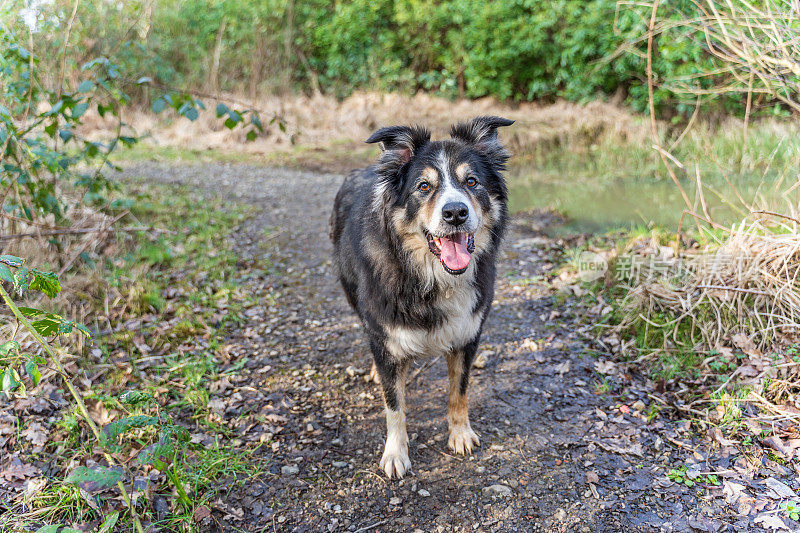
[{"x": 481, "y": 134}]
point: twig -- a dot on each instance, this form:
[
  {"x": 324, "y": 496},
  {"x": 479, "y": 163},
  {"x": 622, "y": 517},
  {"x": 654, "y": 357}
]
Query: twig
[
  {"x": 201, "y": 94},
  {"x": 737, "y": 289},
  {"x": 765, "y": 212},
  {"x": 81, "y": 231},
  {"x": 373, "y": 526},
  {"x": 419, "y": 370},
  {"x": 86, "y": 244}
]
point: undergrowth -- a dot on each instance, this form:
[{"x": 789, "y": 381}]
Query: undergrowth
[{"x": 177, "y": 292}]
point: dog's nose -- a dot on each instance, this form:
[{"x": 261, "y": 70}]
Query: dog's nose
[{"x": 455, "y": 213}]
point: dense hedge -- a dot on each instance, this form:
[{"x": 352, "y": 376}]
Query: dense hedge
[{"x": 510, "y": 49}]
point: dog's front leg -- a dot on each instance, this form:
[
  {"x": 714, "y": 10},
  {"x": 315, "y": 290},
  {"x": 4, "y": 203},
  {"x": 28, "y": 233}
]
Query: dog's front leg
[
  {"x": 462, "y": 437},
  {"x": 392, "y": 373}
]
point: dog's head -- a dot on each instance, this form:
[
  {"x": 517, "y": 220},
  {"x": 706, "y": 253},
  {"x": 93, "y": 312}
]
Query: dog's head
[{"x": 445, "y": 198}]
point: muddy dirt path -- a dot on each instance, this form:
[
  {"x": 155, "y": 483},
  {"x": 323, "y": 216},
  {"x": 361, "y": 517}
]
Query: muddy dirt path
[{"x": 557, "y": 453}]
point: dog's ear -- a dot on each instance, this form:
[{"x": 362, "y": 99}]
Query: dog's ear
[
  {"x": 481, "y": 134},
  {"x": 400, "y": 143}
]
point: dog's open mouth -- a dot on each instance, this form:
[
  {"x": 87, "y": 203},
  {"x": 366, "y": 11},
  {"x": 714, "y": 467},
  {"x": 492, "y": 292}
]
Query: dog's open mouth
[{"x": 454, "y": 251}]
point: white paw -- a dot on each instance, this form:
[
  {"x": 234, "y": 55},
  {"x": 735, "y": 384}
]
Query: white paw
[
  {"x": 462, "y": 438},
  {"x": 395, "y": 461}
]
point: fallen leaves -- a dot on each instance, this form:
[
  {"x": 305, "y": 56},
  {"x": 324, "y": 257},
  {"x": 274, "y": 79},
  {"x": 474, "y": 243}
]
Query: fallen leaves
[
  {"x": 777, "y": 489},
  {"x": 36, "y": 433},
  {"x": 771, "y": 522},
  {"x": 630, "y": 449},
  {"x": 16, "y": 470}
]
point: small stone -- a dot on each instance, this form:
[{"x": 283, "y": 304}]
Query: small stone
[
  {"x": 337, "y": 442},
  {"x": 424, "y": 493},
  {"x": 480, "y": 469},
  {"x": 290, "y": 470},
  {"x": 638, "y": 405},
  {"x": 340, "y": 464},
  {"x": 503, "y": 490},
  {"x": 395, "y": 501},
  {"x": 482, "y": 358},
  {"x": 353, "y": 371}
]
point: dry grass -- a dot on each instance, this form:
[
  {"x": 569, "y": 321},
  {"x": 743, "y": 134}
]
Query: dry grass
[
  {"x": 748, "y": 284},
  {"x": 324, "y": 123},
  {"x": 757, "y": 46}
]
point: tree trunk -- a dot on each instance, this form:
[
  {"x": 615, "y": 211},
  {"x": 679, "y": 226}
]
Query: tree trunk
[
  {"x": 288, "y": 38},
  {"x": 213, "y": 76}
]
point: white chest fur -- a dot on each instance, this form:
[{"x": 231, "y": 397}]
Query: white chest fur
[{"x": 458, "y": 328}]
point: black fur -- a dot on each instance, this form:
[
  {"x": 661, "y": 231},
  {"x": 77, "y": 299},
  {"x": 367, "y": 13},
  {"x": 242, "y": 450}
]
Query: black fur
[{"x": 382, "y": 282}]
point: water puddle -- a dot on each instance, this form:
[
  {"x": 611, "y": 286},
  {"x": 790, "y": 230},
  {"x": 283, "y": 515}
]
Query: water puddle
[{"x": 597, "y": 205}]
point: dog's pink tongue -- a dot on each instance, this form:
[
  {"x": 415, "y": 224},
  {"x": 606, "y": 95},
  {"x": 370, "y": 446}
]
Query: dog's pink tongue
[{"x": 454, "y": 251}]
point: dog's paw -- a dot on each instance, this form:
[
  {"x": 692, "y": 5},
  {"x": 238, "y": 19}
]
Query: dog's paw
[
  {"x": 462, "y": 439},
  {"x": 373, "y": 375},
  {"x": 395, "y": 462}
]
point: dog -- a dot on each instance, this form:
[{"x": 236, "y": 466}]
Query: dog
[{"x": 415, "y": 241}]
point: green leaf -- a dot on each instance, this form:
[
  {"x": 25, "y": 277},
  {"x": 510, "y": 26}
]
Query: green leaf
[
  {"x": 5, "y": 273},
  {"x": 251, "y": 136},
  {"x": 159, "y": 105},
  {"x": 12, "y": 260},
  {"x": 256, "y": 121},
  {"x": 134, "y": 397},
  {"x": 33, "y": 372},
  {"x": 10, "y": 381},
  {"x": 50, "y": 528},
  {"x": 110, "y": 522},
  {"x": 22, "y": 280},
  {"x": 30, "y": 311},
  {"x": 7, "y": 346},
  {"x": 47, "y": 327},
  {"x": 95, "y": 479},
  {"x": 191, "y": 114},
  {"x": 143, "y": 80},
  {"x": 222, "y": 109},
  {"x": 56, "y": 108},
  {"x": 86, "y": 86},
  {"x": 65, "y": 135},
  {"x": 46, "y": 282},
  {"x": 83, "y": 329},
  {"x": 80, "y": 109},
  {"x": 159, "y": 455},
  {"x": 51, "y": 128},
  {"x": 110, "y": 433}
]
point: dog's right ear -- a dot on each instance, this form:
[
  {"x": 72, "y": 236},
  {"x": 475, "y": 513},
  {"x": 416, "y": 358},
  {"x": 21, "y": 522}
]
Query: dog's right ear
[{"x": 400, "y": 143}]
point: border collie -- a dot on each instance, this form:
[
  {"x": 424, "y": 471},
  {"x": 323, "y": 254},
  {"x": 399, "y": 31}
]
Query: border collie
[{"x": 415, "y": 241}]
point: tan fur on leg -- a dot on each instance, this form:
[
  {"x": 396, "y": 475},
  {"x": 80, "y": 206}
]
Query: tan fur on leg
[
  {"x": 373, "y": 375},
  {"x": 462, "y": 438}
]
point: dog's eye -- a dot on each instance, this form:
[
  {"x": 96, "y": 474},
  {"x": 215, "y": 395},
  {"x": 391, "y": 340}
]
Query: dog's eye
[
  {"x": 424, "y": 186},
  {"x": 472, "y": 183}
]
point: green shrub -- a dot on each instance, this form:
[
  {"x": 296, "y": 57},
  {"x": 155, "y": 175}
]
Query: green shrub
[{"x": 510, "y": 49}]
